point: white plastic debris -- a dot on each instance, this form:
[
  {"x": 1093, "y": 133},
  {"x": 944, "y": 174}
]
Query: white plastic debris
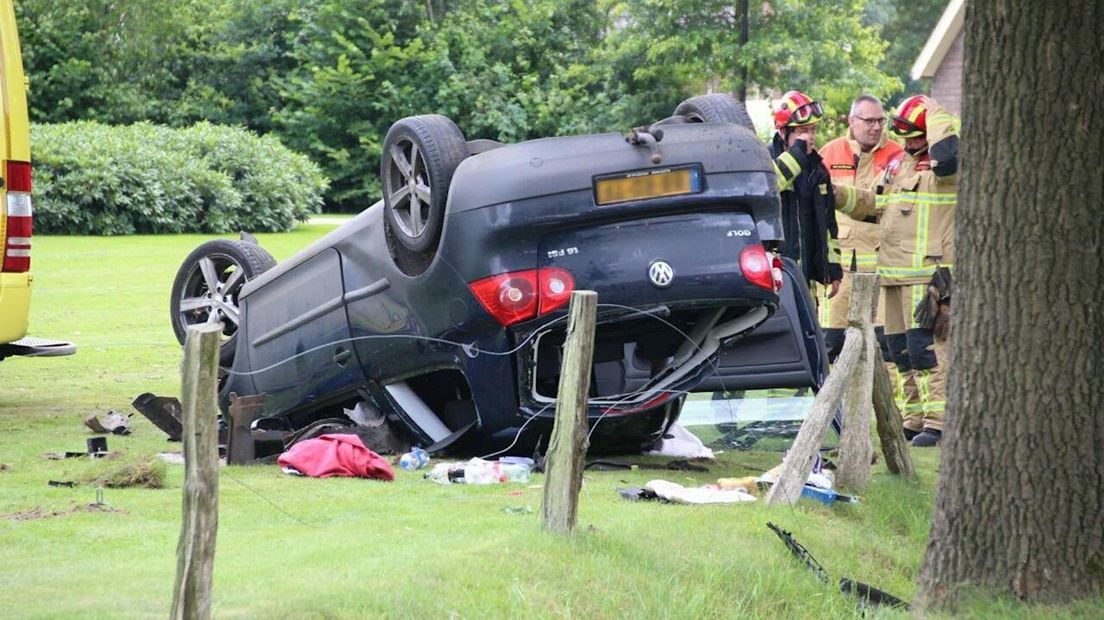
[{"x": 681, "y": 444}]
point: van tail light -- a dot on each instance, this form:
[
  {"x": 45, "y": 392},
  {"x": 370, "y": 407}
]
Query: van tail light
[
  {"x": 757, "y": 267},
  {"x": 521, "y": 295},
  {"x": 17, "y": 241}
]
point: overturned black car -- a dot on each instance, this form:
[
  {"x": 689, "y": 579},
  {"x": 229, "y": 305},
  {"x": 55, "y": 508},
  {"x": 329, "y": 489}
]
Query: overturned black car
[{"x": 442, "y": 306}]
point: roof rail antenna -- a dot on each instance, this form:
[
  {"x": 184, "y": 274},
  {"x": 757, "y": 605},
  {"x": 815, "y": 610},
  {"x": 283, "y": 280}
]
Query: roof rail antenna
[{"x": 647, "y": 135}]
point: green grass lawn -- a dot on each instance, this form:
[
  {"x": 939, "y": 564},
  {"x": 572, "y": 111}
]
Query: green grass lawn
[{"x": 303, "y": 548}]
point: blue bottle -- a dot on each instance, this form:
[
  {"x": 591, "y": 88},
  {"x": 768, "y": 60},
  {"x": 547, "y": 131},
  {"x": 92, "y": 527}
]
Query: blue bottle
[{"x": 415, "y": 459}]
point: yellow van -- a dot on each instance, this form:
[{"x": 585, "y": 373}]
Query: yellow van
[{"x": 15, "y": 202}]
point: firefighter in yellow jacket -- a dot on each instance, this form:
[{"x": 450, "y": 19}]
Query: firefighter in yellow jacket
[
  {"x": 915, "y": 203},
  {"x": 860, "y": 159}
]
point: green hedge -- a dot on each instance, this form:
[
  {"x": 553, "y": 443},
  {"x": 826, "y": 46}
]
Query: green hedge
[{"x": 94, "y": 179}]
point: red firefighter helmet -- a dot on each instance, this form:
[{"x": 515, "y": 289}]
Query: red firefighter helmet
[
  {"x": 911, "y": 118},
  {"x": 796, "y": 109}
]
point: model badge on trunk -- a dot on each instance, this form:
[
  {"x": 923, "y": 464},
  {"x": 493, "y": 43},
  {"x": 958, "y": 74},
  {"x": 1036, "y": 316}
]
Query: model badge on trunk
[{"x": 661, "y": 274}]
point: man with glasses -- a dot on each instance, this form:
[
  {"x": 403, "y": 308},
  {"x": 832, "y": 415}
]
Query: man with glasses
[
  {"x": 859, "y": 159},
  {"x": 916, "y": 214},
  {"x": 808, "y": 203}
]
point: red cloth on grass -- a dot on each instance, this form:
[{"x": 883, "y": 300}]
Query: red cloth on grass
[{"x": 336, "y": 455}]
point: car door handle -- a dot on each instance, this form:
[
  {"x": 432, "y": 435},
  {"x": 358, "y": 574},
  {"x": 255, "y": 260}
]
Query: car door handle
[{"x": 341, "y": 356}]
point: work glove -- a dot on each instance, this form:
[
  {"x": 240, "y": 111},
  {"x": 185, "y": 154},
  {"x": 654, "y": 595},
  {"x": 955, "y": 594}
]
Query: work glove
[{"x": 934, "y": 309}]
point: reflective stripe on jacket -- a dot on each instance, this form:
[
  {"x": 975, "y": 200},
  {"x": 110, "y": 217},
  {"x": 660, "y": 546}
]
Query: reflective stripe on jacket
[
  {"x": 849, "y": 165},
  {"x": 916, "y": 214},
  {"x": 808, "y": 211}
]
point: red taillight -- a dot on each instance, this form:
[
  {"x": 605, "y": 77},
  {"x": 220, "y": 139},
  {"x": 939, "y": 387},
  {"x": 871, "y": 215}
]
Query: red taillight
[
  {"x": 776, "y": 272},
  {"x": 17, "y": 241},
  {"x": 555, "y": 288},
  {"x": 756, "y": 267},
  {"x": 521, "y": 295}
]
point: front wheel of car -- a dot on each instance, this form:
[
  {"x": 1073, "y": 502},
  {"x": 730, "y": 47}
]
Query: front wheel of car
[
  {"x": 207, "y": 285},
  {"x": 420, "y": 155},
  {"x": 715, "y": 108}
]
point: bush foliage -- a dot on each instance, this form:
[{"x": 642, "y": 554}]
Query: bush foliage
[{"x": 96, "y": 179}]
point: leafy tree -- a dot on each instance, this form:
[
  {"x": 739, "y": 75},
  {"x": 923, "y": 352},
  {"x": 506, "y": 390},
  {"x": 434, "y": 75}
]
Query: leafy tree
[
  {"x": 507, "y": 70},
  {"x": 116, "y": 61},
  {"x": 818, "y": 46},
  {"x": 907, "y": 23}
]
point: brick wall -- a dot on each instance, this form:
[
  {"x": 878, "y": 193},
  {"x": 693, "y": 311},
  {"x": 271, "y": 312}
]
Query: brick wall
[{"x": 946, "y": 85}]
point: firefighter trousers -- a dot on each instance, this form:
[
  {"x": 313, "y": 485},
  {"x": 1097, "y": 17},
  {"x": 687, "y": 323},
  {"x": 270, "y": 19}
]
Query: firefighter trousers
[
  {"x": 833, "y": 320},
  {"x": 921, "y": 360}
]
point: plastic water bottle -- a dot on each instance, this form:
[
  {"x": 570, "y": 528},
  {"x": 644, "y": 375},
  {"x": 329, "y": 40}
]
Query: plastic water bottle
[
  {"x": 477, "y": 471},
  {"x": 415, "y": 459}
]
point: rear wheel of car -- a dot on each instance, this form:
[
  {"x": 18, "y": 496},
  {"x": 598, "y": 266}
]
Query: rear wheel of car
[
  {"x": 207, "y": 285},
  {"x": 715, "y": 109},
  {"x": 420, "y": 154}
]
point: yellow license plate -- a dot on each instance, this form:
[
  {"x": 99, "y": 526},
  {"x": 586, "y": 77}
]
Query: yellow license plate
[{"x": 644, "y": 184}]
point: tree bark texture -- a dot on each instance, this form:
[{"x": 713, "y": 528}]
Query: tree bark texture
[
  {"x": 1020, "y": 502},
  {"x": 567, "y": 448}
]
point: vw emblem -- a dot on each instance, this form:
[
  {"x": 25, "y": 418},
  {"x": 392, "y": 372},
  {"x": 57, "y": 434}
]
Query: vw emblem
[{"x": 661, "y": 274}]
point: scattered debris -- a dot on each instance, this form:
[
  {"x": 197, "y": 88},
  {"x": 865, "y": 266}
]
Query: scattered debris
[
  {"x": 60, "y": 456},
  {"x": 336, "y": 455},
  {"x": 708, "y": 494},
  {"x": 148, "y": 474},
  {"x": 682, "y": 443},
  {"x": 800, "y": 552},
  {"x": 518, "y": 510},
  {"x": 747, "y": 483},
  {"x": 62, "y": 483},
  {"x": 163, "y": 411},
  {"x": 479, "y": 471},
  {"x": 172, "y": 458},
  {"x": 96, "y": 445},
  {"x": 677, "y": 465},
  {"x": 868, "y": 596},
  {"x": 114, "y": 423},
  {"x": 638, "y": 494},
  {"x": 39, "y": 513},
  {"x": 826, "y": 496}
]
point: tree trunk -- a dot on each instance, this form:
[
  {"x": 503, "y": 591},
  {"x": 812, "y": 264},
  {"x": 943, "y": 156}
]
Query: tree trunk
[{"x": 1020, "y": 504}]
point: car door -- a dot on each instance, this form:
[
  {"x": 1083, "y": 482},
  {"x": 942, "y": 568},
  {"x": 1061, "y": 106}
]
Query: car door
[
  {"x": 299, "y": 345},
  {"x": 786, "y": 351}
]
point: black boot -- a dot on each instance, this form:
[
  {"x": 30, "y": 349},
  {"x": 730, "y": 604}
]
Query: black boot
[
  {"x": 930, "y": 437},
  {"x": 909, "y": 433}
]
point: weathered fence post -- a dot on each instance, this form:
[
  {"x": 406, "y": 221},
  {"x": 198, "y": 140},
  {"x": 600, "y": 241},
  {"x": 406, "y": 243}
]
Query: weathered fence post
[
  {"x": 567, "y": 448},
  {"x": 855, "y": 448},
  {"x": 891, "y": 433},
  {"x": 195, "y": 552},
  {"x": 799, "y": 460}
]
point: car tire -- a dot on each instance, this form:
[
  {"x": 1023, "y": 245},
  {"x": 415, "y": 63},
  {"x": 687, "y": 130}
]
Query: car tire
[
  {"x": 420, "y": 155},
  {"x": 715, "y": 109},
  {"x": 215, "y": 263}
]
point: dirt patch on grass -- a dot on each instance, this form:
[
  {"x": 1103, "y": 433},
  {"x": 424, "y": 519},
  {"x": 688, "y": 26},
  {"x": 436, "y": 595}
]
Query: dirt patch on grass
[{"x": 37, "y": 512}]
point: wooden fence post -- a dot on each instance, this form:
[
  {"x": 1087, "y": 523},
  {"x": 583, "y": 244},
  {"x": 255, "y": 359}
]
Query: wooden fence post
[
  {"x": 855, "y": 447},
  {"x": 891, "y": 434},
  {"x": 799, "y": 460},
  {"x": 567, "y": 448},
  {"x": 195, "y": 552}
]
